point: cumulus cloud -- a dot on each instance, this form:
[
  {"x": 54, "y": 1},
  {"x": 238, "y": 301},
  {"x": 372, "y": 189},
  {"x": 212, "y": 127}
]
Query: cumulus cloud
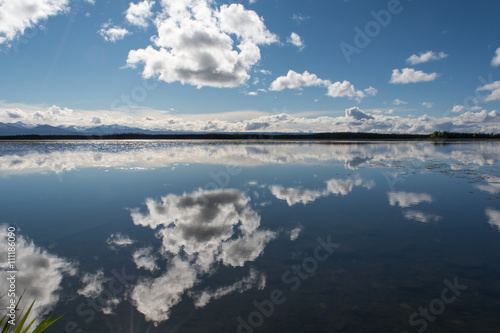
[
  {"x": 299, "y": 18},
  {"x": 119, "y": 240},
  {"x": 256, "y": 121},
  {"x": 295, "y": 195},
  {"x": 458, "y": 109},
  {"x": 424, "y": 57},
  {"x": 39, "y": 274},
  {"x": 493, "y": 217},
  {"x": 16, "y": 114},
  {"x": 493, "y": 186},
  {"x": 295, "y": 233},
  {"x": 496, "y": 59},
  {"x": 398, "y": 101},
  {"x": 419, "y": 216},
  {"x": 294, "y": 80},
  {"x": 410, "y": 75},
  {"x": 428, "y": 104},
  {"x": 357, "y": 114},
  {"x": 198, "y": 230},
  {"x": 195, "y": 45},
  {"x": 93, "y": 284},
  {"x": 296, "y": 40},
  {"x": 112, "y": 33},
  {"x": 494, "y": 87},
  {"x": 354, "y": 156},
  {"x": 371, "y": 91},
  {"x": 407, "y": 199},
  {"x": 17, "y": 16},
  {"x": 139, "y": 14},
  {"x": 144, "y": 258},
  {"x": 253, "y": 279},
  {"x": 346, "y": 89}
]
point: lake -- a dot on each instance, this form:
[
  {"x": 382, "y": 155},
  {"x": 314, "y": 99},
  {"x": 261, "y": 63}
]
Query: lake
[{"x": 206, "y": 236}]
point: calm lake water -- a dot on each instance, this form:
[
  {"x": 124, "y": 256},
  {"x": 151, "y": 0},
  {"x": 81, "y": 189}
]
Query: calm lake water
[{"x": 169, "y": 236}]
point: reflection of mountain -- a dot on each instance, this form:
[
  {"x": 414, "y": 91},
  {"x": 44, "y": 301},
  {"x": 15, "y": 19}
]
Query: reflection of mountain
[
  {"x": 18, "y": 157},
  {"x": 39, "y": 274},
  {"x": 295, "y": 195},
  {"x": 198, "y": 231}
]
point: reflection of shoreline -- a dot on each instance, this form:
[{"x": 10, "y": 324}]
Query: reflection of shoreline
[{"x": 29, "y": 157}]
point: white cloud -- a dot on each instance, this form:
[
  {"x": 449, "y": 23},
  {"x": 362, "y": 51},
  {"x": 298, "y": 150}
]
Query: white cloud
[
  {"x": 194, "y": 44},
  {"x": 407, "y": 199},
  {"x": 371, "y": 91},
  {"x": 253, "y": 279},
  {"x": 139, "y": 14},
  {"x": 18, "y": 15},
  {"x": 346, "y": 89},
  {"x": 493, "y": 186},
  {"x": 299, "y": 18},
  {"x": 112, "y": 33},
  {"x": 119, "y": 240},
  {"x": 424, "y": 57},
  {"x": 420, "y": 216},
  {"x": 294, "y": 80},
  {"x": 295, "y": 233},
  {"x": 458, "y": 109},
  {"x": 496, "y": 59},
  {"x": 295, "y": 195},
  {"x": 410, "y": 75},
  {"x": 494, "y": 87},
  {"x": 198, "y": 230},
  {"x": 296, "y": 40},
  {"x": 353, "y": 156},
  {"x": 493, "y": 217},
  {"x": 398, "y": 101},
  {"x": 92, "y": 284},
  {"x": 39, "y": 275},
  {"x": 92, "y": 2},
  {"x": 428, "y": 104},
  {"x": 144, "y": 258},
  {"x": 254, "y": 121},
  {"x": 357, "y": 114},
  {"x": 155, "y": 297}
]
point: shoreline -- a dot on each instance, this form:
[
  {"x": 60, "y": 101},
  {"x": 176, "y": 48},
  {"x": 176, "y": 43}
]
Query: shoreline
[{"x": 439, "y": 137}]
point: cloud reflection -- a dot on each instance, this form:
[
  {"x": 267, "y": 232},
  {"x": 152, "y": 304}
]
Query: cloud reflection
[
  {"x": 40, "y": 274},
  {"x": 493, "y": 217},
  {"x": 407, "y": 199},
  {"x": 295, "y": 195},
  {"x": 419, "y": 216},
  {"x": 64, "y": 157},
  {"x": 198, "y": 230}
]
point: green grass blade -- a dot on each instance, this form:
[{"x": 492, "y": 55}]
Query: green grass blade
[{"x": 23, "y": 319}]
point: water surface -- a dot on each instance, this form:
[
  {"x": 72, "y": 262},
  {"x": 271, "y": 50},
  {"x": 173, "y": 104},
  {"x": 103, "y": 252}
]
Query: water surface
[{"x": 169, "y": 236}]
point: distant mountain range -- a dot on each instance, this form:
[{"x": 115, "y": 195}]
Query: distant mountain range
[{"x": 19, "y": 128}]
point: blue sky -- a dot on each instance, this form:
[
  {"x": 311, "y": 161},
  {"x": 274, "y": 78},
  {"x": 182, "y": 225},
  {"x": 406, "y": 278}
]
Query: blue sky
[{"x": 262, "y": 65}]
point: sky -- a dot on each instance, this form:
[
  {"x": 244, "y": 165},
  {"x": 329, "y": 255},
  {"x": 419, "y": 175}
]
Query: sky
[{"x": 407, "y": 66}]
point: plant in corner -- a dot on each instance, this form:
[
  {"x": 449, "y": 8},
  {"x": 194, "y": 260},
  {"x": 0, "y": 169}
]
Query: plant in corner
[{"x": 21, "y": 325}]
